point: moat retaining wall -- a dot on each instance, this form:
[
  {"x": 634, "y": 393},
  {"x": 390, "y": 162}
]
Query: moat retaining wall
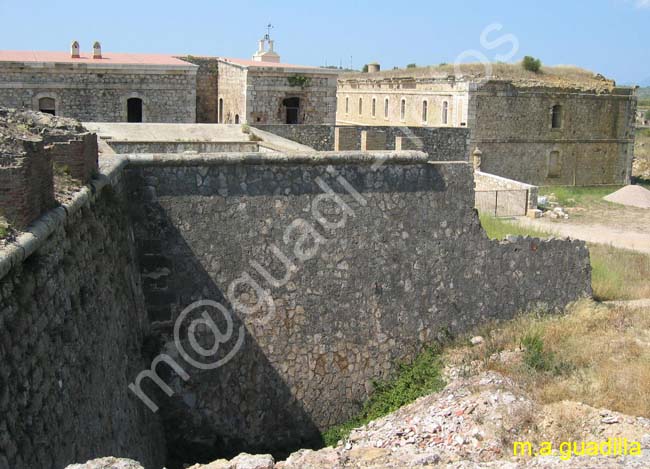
[
  {"x": 72, "y": 323},
  {"x": 404, "y": 259},
  {"x": 384, "y": 252}
]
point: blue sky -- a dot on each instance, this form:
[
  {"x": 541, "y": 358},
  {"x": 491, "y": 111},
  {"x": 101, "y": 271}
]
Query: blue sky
[{"x": 608, "y": 36}]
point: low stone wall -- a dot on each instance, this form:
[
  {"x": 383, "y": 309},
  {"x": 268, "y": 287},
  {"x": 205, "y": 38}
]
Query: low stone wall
[
  {"x": 124, "y": 147},
  {"x": 319, "y": 137},
  {"x": 517, "y": 195},
  {"x": 441, "y": 143},
  {"x": 396, "y": 255},
  {"x": 72, "y": 326}
]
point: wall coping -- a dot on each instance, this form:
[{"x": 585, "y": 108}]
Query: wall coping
[
  {"x": 111, "y": 170},
  {"x": 501, "y": 178}
]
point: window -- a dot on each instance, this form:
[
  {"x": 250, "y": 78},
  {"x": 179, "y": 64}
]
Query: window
[
  {"x": 445, "y": 112},
  {"x": 236, "y": 118},
  {"x": 47, "y": 105},
  {"x": 460, "y": 113},
  {"x": 556, "y": 117},
  {"x": 134, "y": 110},
  {"x": 220, "y": 116},
  {"x": 386, "y": 108},
  {"x": 554, "y": 164},
  {"x": 347, "y": 105},
  {"x": 360, "y": 106},
  {"x": 374, "y": 107},
  {"x": 425, "y": 111},
  {"x": 402, "y": 109},
  {"x": 292, "y": 110}
]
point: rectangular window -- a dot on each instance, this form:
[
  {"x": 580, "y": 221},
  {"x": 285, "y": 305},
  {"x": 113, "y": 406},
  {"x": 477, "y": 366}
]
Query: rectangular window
[
  {"x": 386, "y": 108},
  {"x": 402, "y": 110},
  {"x": 347, "y": 105},
  {"x": 425, "y": 111},
  {"x": 374, "y": 107}
]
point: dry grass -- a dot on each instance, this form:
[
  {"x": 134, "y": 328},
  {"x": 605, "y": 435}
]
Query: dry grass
[
  {"x": 602, "y": 356},
  {"x": 561, "y": 75}
]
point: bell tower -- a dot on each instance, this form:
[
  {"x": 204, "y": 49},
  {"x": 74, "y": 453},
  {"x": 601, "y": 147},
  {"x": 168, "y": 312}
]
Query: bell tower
[{"x": 263, "y": 54}]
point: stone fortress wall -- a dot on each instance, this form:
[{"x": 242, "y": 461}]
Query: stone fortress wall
[
  {"x": 100, "y": 94},
  {"x": 387, "y": 252}
]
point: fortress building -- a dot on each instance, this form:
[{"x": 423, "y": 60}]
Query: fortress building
[
  {"x": 112, "y": 87},
  {"x": 563, "y": 126}
]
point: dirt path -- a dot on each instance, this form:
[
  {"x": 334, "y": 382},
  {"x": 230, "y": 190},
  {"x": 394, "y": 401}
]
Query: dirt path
[{"x": 620, "y": 235}]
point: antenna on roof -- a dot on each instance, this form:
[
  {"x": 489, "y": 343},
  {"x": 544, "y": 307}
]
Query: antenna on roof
[{"x": 269, "y": 27}]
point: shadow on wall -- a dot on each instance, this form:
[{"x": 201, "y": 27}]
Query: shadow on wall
[{"x": 244, "y": 405}]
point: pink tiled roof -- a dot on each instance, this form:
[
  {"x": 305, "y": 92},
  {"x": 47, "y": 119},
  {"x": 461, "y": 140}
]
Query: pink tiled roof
[{"x": 108, "y": 58}]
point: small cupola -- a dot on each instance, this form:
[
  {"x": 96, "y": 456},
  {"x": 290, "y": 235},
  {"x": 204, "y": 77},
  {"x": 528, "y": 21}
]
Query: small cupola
[
  {"x": 74, "y": 49},
  {"x": 97, "y": 50}
]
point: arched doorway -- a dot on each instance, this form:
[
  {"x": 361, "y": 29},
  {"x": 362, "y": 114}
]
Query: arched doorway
[
  {"x": 236, "y": 118},
  {"x": 134, "y": 110},
  {"x": 47, "y": 105},
  {"x": 292, "y": 110}
]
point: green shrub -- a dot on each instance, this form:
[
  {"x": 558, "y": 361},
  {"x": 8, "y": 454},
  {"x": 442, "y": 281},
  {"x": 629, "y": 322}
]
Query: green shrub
[
  {"x": 537, "y": 358},
  {"x": 647, "y": 114},
  {"x": 365, "y": 68},
  {"x": 531, "y": 64},
  {"x": 411, "y": 65},
  {"x": 422, "y": 377}
]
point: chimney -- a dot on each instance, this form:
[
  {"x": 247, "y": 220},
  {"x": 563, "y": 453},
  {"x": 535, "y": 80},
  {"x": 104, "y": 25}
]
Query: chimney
[
  {"x": 97, "y": 50},
  {"x": 74, "y": 50},
  {"x": 271, "y": 41},
  {"x": 374, "y": 67},
  {"x": 260, "y": 46}
]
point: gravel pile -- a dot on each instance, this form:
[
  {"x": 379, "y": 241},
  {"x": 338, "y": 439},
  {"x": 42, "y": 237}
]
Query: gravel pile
[{"x": 633, "y": 196}]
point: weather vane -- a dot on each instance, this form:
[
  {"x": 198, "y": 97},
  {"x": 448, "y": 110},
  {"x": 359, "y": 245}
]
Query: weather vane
[{"x": 269, "y": 27}]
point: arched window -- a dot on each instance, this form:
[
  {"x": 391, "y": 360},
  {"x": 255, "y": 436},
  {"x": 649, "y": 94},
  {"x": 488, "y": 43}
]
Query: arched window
[
  {"x": 386, "y": 108},
  {"x": 134, "y": 110},
  {"x": 360, "y": 106},
  {"x": 445, "y": 112},
  {"x": 347, "y": 105},
  {"x": 425, "y": 111},
  {"x": 556, "y": 117},
  {"x": 47, "y": 105},
  {"x": 374, "y": 107},
  {"x": 236, "y": 118},
  {"x": 220, "y": 116},
  {"x": 402, "y": 109}
]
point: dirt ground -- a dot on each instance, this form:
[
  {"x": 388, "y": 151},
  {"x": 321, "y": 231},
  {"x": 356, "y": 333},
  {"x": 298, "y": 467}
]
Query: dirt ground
[{"x": 601, "y": 222}]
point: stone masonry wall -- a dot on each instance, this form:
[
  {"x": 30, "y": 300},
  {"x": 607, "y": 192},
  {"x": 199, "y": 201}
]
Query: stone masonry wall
[
  {"x": 442, "y": 144},
  {"x": 180, "y": 147},
  {"x": 231, "y": 89},
  {"x": 378, "y": 279},
  {"x": 266, "y": 91},
  {"x": 72, "y": 324},
  {"x": 318, "y": 136},
  {"x": 206, "y": 88},
  {"x": 100, "y": 95}
]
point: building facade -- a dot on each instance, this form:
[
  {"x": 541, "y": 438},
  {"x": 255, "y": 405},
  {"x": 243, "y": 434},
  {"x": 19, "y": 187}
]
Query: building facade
[
  {"x": 545, "y": 131},
  {"x": 100, "y": 87}
]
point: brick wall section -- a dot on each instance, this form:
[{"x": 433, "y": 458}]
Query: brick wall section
[
  {"x": 79, "y": 156},
  {"x": 373, "y": 140},
  {"x": 26, "y": 183}
]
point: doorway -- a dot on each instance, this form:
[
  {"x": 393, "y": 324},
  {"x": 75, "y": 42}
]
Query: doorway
[
  {"x": 134, "y": 110},
  {"x": 292, "y": 106}
]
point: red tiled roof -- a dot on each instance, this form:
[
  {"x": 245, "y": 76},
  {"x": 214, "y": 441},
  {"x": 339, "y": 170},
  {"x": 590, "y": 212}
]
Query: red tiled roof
[{"x": 108, "y": 58}]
